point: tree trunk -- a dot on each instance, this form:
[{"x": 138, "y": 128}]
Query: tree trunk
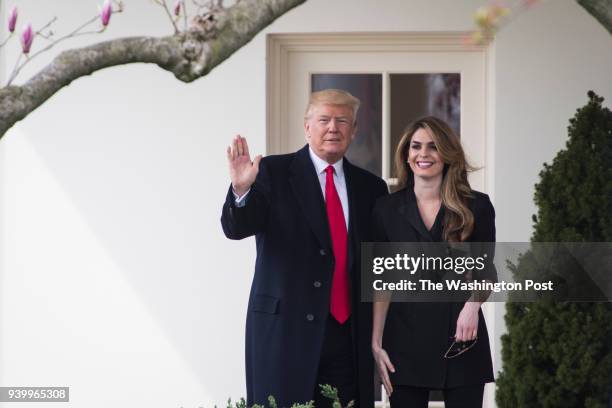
[{"x": 601, "y": 10}]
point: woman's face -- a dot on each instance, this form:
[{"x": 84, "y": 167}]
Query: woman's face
[{"x": 423, "y": 157}]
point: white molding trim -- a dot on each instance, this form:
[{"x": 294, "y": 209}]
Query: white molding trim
[{"x": 279, "y": 46}]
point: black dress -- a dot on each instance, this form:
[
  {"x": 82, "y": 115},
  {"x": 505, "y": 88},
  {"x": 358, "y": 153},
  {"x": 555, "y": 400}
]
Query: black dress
[{"x": 417, "y": 335}]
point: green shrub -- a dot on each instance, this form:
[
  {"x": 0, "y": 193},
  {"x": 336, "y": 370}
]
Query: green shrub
[
  {"x": 326, "y": 390},
  {"x": 557, "y": 354}
]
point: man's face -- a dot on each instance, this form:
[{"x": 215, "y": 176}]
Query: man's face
[{"x": 330, "y": 130}]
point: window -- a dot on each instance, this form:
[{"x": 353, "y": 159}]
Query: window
[{"x": 408, "y": 97}]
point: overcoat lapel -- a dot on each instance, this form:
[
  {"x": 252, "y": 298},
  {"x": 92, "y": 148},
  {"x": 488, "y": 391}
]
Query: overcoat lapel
[
  {"x": 353, "y": 231},
  {"x": 410, "y": 211},
  {"x": 353, "y": 250},
  {"x": 307, "y": 190}
]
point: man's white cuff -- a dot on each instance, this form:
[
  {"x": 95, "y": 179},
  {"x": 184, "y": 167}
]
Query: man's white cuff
[{"x": 240, "y": 201}]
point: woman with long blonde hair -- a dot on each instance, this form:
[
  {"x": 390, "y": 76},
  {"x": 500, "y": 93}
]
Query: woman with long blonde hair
[{"x": 444, "y": 345}]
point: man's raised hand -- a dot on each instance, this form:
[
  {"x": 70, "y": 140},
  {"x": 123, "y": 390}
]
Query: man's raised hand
[{"x": 242, "y": 170}]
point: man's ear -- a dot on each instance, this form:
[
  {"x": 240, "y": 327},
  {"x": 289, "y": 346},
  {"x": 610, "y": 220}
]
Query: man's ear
[
  {"x": 354, "y": 133},
  {"x": 306, "y": 129}
]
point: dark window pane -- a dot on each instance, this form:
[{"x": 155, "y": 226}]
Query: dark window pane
[
  {"x": 417, "y": 95},
  {"x": 366, "y": 149}
]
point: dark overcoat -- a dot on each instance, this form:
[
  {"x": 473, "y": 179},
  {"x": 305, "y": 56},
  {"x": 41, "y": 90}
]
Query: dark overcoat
[
  {"x": 417, "y": 334},
  {"x": 290, "y": 293}
]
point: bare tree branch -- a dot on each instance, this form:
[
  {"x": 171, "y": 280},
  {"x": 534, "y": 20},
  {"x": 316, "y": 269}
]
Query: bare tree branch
[
  {"x": 184, "y": 11},
  {"x": 189, "y": 55},
  {"x": 601, "y": 10},
  {"x": 169, "y": 15}
]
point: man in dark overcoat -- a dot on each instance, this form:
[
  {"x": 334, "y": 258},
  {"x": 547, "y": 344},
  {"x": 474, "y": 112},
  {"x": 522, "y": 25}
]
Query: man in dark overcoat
[{"x": 309, "y": 212}]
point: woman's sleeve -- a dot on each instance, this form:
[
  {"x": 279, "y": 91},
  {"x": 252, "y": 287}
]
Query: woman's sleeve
[
  {"x": 377, "y": 225},
  {"x": 484, "y": 236},
  {"x": 379, "y": 239}
]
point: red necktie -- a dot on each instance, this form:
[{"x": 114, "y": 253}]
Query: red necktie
[{"x": 340, "y": 306}]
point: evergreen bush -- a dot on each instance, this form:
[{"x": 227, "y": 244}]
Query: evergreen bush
[{"x": 557, "y": 354}]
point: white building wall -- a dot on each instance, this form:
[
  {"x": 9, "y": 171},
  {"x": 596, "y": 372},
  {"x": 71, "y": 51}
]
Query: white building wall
[{"x": 116, "y": 279}]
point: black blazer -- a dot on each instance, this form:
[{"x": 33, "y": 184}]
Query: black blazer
[
  {"x": 290, "y": 293},
  {"x": 417, "y": 335}
]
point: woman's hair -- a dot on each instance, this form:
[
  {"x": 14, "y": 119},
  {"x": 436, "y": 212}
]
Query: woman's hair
[{"x": 455, "y": 189}]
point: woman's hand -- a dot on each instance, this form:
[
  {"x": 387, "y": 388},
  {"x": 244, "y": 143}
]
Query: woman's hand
[
  {"x": 467, "y": 323},
  {"x": 383, "y": 365}
]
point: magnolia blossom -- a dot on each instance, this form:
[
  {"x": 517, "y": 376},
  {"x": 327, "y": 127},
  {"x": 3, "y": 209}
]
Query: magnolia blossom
[
  {"x": 488, "y": 17},
  {"x": 177, "y": 7},
  {"x": 105, "y": 13},
  {"x": 481, "y": 17},
  {"x": 12, "y": 21},
  {"x": 27, "y": 36},
  {"x": 488, "y": 21}
]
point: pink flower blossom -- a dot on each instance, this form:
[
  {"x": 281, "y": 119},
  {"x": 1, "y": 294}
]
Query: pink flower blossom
[
  {"x": 177, "y": 7},
  {"x": 12, "y": 21},
  {"x": 105, "y": 13},
  {"x": 27, "y": 36}
]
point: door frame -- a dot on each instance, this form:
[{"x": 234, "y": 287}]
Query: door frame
[{"x": 278, "y": 51}]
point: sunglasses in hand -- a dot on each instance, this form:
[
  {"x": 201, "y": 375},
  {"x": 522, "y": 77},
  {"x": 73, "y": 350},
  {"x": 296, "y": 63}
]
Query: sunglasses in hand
[{"x": 459, "y": 347}]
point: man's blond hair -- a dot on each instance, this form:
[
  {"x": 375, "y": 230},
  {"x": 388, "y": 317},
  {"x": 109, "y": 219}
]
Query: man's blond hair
[{"x": 332, "y": 97}]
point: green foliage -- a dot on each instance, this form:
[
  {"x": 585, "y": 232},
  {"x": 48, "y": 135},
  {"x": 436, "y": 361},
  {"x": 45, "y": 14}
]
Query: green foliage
[
  {"x": 330, "y": 392},
  {"x": 574, "y": 196},
  {"x": 557, "y": 354},
  {"x": 326, "y": 390},
  {"x": 309, "y": 404}
]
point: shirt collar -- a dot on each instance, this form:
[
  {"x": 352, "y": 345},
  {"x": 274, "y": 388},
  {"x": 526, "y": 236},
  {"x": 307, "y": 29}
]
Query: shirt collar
[{"x": 321, "y": 165}]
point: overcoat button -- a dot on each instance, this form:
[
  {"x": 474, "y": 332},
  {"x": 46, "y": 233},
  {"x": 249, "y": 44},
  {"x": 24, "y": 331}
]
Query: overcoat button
[
  {"x": 309, "y": 317},
  {"x": 317, "y": 284},
  {"x": 322, "y": 252}
]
